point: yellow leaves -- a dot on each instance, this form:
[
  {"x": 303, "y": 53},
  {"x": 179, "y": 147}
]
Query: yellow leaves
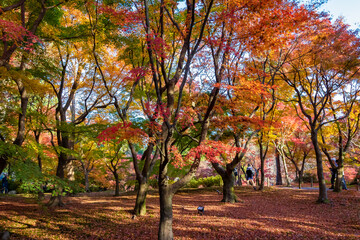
[
  {"x": 23, "y": 78},
  {"x": 12, "y": 74},
  {"x": 73, "y": 16}
]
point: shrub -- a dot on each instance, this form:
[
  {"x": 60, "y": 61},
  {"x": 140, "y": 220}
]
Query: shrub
[
  {"x": 193, "y": 183},
  {"x": 13, "y": 184},
  {"x": 211, "y": 181},
  {"x": 206, "y": 182},
  {"x": 307, "y": 177}
]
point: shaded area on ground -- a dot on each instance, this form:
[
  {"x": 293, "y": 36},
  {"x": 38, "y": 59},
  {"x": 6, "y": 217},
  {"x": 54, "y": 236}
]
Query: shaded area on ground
[{"x": 275, "y": 213}]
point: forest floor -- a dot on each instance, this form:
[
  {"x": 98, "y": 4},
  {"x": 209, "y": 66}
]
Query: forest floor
[{"x": 275, "y": 213}]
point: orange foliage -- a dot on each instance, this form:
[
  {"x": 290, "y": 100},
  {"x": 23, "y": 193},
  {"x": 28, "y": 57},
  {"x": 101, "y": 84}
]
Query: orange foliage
[{"x": 123, "y": 131}]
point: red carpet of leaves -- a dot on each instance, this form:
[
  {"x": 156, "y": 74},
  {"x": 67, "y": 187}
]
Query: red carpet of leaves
[{"x": 275, "y": 213}]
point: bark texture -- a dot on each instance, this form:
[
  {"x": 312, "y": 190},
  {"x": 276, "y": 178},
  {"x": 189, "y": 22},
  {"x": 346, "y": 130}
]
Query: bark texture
[
  {"x": 140, "y": 204},
  {"x": 228, "y": 188},
  {"x": 166, "y": 215}
]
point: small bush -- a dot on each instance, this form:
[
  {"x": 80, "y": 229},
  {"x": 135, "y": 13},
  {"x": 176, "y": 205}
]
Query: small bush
[
  {"x": 207, "y": 182},
  {"x": 193, "y": 183},
  {"x": 13, "y": 185},
  {"x": 307, "y": 177},
  {"x": 211, "y": 181}
]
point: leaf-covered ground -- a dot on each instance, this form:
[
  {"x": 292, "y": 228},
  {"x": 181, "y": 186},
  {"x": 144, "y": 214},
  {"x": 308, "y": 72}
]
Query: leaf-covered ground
[{"x": 276, "y": 213}]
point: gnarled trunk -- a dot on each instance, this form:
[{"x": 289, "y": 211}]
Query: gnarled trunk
[
  {"x": 166, "y": 214},
  {"x": 140, "y": 205},
  {"x": 228, "y": 188},
  {"x": 228, "y": 178}
]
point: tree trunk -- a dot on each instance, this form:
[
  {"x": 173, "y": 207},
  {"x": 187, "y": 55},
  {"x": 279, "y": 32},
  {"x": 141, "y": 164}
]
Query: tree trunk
[
  {"x": 257, "y": 181},
  {"x": 140, "y": 205},
  {"x": 60, "y": 171},
  {"x": 300, "y": 178},
  {"x": 20, "y": 137},
  {"x": 278, "y": 167},
  {"x": 166, "y": 214},
  {"x": 262, "y": 173},
  {"x": 117, "y": 184},
  {"x": 87, "y": 189},
  {"x": 41, "y": 195},
  {"x": 288, "y": 184},
  {"x": 320, "y": 173},
  {"x": 262, "y": 162},
  {"x": 70, "y": 169},
  {"x": 338, "y": 180},
  {"x": 301, "y": 171},
  {"x": 228, "y": 188},
  {"x": 239, "y": 179},
  {"x": 55, "y": 201}
]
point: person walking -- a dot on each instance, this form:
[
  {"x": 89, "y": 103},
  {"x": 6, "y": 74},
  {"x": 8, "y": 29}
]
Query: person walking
[
  {"x": 5, "y": 185},
  {"x": 334, "y": 173},
  {"x": 250, "y": 176}
]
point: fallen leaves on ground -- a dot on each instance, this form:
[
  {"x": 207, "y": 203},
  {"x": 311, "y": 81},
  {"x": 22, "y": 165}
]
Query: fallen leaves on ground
[{"x": 275, "y": 213}]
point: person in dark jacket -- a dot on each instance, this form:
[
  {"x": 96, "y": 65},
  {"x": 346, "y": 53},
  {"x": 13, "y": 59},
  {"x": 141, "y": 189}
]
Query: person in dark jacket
[
  {"x": 249, "y": 176},
  {"x": 334, "y": 173},
  {"x": 5, "y": 185}
]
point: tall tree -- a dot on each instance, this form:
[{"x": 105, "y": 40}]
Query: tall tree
[
  {"x": 136, "y": 91},
  {"x": 76, "y": 88},
  {"x": 17, "y": 47},
  {"x": 337, "y": 137},
  {"x": 186, "y": 39},
  {"x": 325, "y": 62}
]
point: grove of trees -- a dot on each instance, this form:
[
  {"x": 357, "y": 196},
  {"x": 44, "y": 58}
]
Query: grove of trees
[{"x": 113, "y": 90}]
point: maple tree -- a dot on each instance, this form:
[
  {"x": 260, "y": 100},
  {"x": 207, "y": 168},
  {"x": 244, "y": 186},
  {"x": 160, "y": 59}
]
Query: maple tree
[
  {"x": 266, "y": 64},
  {"x": 284, "y": 134},
  {"x": 175, "y": 84},
  {"x": 244, "y": 88},
  {"x": 314, "y": 77},
  {"x": 136, "y": 91},
  {"x": 115, "y": 161},
  {"x": 40, "y": 110},
  {"x": 298, "y": 149},
  {"x": 88, "y": 155},
  {"x": 188, "y": 36},
  {"x": 18, "y": 43},
  {"x": 338, "y": 136},
  {"x": 71, "y": 74}
]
